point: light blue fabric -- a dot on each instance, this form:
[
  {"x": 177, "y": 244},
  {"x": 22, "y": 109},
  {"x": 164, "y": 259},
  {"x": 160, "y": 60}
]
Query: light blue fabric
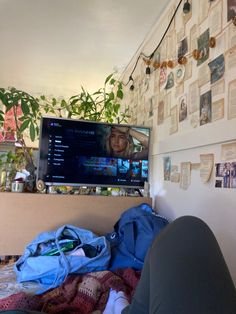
[{"x": 51, "y": 271}]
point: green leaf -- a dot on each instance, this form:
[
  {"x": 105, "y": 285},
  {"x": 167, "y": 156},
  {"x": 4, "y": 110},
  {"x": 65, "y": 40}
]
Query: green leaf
[
  {"x": 116, "y": 108},
  {"x": 73, "y": 97},
  {"x": 32, "y": 132},
  {"x": 24, "y": 107},
  {"x": 98, "y": 92},
  {"x": 54, "y": 102},
  {"x": 108, "y": 78},
  {"x": 24, "y": 125},
  {"x": 120, "y": 94},
  {"x": 111, "y": 96},
  {"x": 63, "y": 103},
  {"x": 112, "y": 82},
  {"x": 9, "y": 106}
]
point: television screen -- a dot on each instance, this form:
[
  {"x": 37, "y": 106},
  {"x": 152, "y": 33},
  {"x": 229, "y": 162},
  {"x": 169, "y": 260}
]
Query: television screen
[{"x": 77, "y": 152}]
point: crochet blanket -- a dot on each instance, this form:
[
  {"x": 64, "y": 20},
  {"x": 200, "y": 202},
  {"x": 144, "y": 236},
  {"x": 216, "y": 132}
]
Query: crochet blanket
[{"x": 79, "y": 294}]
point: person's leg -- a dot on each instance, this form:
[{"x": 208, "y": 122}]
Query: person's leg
[
  {"x": 184, "y": 272},
  {"x": 140, "y": 300}
]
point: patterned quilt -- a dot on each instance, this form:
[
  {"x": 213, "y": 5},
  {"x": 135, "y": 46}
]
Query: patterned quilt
[
  {"x": 8, "y": 283},
  {"x": 79, "y": 294}
]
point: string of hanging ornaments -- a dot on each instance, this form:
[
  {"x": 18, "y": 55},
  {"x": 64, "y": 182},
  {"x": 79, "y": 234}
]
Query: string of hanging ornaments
[{"x": 196, "y": 54}]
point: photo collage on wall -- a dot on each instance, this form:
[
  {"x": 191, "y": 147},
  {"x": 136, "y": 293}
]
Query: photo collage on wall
[{"x": 188, "y": 64}]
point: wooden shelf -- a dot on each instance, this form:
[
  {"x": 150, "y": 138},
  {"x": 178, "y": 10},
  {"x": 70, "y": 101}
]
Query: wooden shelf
[{"x": 25, "y": 215}]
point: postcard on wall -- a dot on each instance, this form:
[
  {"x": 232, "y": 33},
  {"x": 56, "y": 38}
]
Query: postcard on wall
[
  {"x": 218, "y": 88},
  {"x": 183, "y": 108},
  {"x": 217, "y": 110},
  {"x": 160, "y": 112},
  {"x": 155, "y": 102},
  {"x": 173, "y": 120},
  {"x": 180, "y": 34},
  {"x": 167, "y": 105},
  {"x": 205, "y": 108},
  {"x": 225, "y": 175},
  {"x": 195, "y": 165},
  {"x": 182, "y": 47},
  {"x": 230, "y": 57},
  {"x": 206, "y": 166},
  {"x": 179, "y": 89},
  {"x": 142, "y": 74},
  {"x": 203, "y": 46},
  {"x": 170, "y": 80},
  {"x": 146, "y": 84},
  {"x": 220, "y": 46},
  {"x": 232, "y": 100},
  {"x": 231, "y": 36},
  {"x": 228, "y": 151},
  {"x": 185, "y": 175},
  {"x": 179, "y": 73},
  {"x": 203, "y": 6},
  {"x": 193, "y": 37},
  {"x": 193, "y": 101},
  {"x": 135, "y": 100},
  {"x": 163, "y": 48},
  {"x": 170, "y": 14},
  {"x": 167, "y": 167},
  {"x": 231, "y": 9},
  {"x": 203, "y": 74},
  {"x": 194, "y": 121},
  {"x": 150, "y": 107},
  {"x": 174, "y": 174},
  {"x": 215, "y": 19},
  {"x": 163, "y": 77},
  {"x": 171, "y": 45},
  {"x": 217, "y": 68},
  {"x": 149, "y": 123},
  {"x": 188, "y": 70},
  {"x": 156, "y": 83},
  {"x": 157, "y": 56}
]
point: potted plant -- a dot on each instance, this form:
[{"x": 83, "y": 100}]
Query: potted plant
[
  {"x": 102, "y": 105},
  {"x": 10, "y": 164}
]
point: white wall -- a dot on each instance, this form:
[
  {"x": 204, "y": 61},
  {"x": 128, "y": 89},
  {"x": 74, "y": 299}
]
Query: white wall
[{"x": 216, "y": 206}]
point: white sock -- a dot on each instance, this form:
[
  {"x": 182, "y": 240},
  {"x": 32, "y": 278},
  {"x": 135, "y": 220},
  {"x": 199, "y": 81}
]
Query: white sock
[
  {"x": 109, "y": 309},
  {"x": 120, "y": 302}
]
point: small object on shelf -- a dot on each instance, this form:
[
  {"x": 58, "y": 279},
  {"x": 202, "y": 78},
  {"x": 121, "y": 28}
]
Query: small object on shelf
[{"x": 18, "y": 185}]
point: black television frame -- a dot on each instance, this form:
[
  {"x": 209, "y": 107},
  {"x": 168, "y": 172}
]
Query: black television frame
[{"x": 133, "y": 185}]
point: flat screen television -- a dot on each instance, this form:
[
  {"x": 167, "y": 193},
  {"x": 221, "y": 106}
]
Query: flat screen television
[{"x": 85, "y": 153}]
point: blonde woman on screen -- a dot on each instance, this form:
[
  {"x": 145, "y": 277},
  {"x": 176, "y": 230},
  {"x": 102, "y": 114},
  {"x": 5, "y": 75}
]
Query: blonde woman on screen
[{"x": 120, "y": 143}]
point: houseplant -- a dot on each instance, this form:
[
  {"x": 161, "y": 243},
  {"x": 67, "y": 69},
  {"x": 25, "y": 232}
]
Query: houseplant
[
  {"x": 10, "y": 163},
  {"x": 102, "y": 105}
]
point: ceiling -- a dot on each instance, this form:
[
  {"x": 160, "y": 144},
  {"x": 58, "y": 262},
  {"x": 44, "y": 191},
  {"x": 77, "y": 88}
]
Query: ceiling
[{"x": 53, "y": 47}]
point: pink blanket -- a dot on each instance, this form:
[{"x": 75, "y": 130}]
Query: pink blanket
[{"x": 78, "y": 294}]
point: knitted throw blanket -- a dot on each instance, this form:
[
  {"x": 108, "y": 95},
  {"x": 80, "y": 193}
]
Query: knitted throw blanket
[{"x": 79, "y": 294}]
